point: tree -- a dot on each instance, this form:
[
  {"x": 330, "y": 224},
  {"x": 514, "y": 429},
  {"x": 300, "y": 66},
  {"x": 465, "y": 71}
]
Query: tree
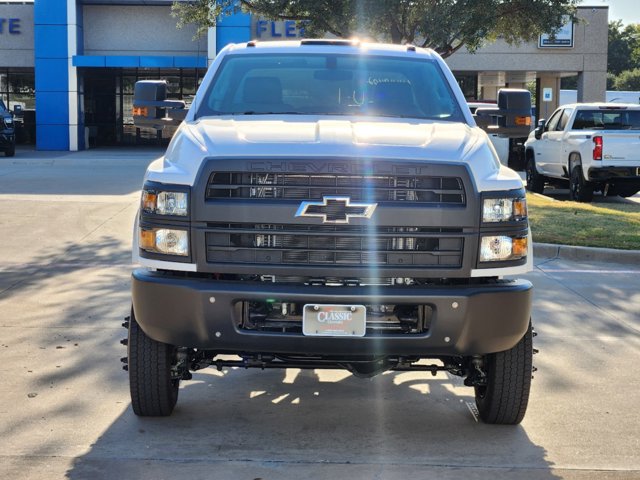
[
  {"x": 629, "y": 80},
  {"x": 624, "y": 47},
  {"x": 444, "y": 25}
]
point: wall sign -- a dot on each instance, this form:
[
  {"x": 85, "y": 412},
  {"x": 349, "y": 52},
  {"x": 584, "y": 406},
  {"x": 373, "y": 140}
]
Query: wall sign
[
  {"x": 10, "y": 26},
  {"x": 562, "y": 39},
  {"x": 547, "y": 94},
  {"x": 274, "y": 30}
]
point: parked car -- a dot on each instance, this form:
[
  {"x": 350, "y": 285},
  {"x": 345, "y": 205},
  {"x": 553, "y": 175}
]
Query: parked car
[
  {"x": 593, "y": 146},
  {"x": 7, "y": 131}
]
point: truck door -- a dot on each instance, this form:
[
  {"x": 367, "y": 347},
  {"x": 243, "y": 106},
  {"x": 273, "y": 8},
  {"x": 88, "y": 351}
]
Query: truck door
[
  {"x": 557, "y": 146},
  {"x": 545, "y": 147}
]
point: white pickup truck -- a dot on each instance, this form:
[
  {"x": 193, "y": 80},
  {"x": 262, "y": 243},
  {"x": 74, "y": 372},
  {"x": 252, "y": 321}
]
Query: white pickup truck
[{"x": 595, "y": 146}]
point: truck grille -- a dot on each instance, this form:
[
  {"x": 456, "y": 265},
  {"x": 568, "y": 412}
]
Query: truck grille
[
  {"x": 444, "y": 190},
  {"x": 334, "y": 245},
  {"x": 381, "y": 319}
]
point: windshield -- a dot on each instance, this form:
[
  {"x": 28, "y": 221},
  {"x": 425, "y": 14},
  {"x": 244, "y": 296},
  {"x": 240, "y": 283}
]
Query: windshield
[
  {"x": 611, "y": 119},
  {"x": 323, "y": 84}
]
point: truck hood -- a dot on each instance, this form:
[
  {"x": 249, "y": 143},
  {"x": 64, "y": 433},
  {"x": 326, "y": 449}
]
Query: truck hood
[
  {"x": 293, "y": 136},
  {"x": 287, "y": 136}
]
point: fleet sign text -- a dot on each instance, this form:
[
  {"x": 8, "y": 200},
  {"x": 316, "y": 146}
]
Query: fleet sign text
[{"x": 11, "y": 25}]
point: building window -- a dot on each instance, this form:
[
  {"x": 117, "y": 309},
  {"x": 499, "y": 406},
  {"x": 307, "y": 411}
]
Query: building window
[
  {"x": 468, "y": 84},
  {"x": 108, "y": 101},
  {"x": 17, "y": 88}
]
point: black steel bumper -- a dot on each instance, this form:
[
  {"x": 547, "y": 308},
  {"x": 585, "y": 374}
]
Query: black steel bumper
[
  {"x": 206, "y": 314},
  {"x": 7, "y": 140},
  {"x": 618, "y": 174}
]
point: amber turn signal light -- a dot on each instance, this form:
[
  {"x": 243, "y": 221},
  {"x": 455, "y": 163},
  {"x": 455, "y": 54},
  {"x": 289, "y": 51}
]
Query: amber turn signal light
[
  {"x": 140, "y": 111},
  {"x": 149, "y": 200},
  {"x": 147, "y": 239},
  {"x": 520, "y": 208},
  {"x": 520, "y": 247}
]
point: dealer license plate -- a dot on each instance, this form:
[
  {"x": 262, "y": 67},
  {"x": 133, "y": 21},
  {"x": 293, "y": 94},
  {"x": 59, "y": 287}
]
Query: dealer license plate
[{"x": 334, "y": 320}]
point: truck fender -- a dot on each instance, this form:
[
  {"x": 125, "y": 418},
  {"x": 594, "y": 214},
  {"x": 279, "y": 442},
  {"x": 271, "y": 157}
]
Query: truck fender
[
  {"x": 529, "y": 154},
  {"x": 574, "y": 159}
]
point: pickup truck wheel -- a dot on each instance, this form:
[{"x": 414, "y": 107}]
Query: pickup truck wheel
[
  {"x": 153, "y": 391},
  {"x": 580, "y": 190},
  {"x": 504, "y": 399},
  {"x": 535, "y": 181}
]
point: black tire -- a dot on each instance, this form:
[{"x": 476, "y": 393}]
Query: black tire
[
  {"x": 535, "y": 181},
  {"x": 11, "y": 151},
  {"x": 503, "y": 401},
  {"x": 580, "y": 190},
  {"x": 153, "y": 392}
]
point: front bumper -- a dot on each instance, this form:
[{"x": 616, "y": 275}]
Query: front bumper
[
  {"x": 206, "y": 314},
  {"x": 7, "y": 140}
]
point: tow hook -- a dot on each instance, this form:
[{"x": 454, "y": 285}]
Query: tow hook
[
  {"x": 476, "y": 377},
  {"x": 180, "y": 371}
]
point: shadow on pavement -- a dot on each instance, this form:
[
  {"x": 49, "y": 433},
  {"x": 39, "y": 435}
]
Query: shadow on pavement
[
  {"x": 61, "y": 315},
  {"x": 313, "y": 424},
  {"x": 241, "y": 424},
  {"x": 63, "y": 261}
]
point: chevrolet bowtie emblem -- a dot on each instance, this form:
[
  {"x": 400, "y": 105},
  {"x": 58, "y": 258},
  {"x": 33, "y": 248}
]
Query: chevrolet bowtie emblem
[{"x": 334, "y": 209}]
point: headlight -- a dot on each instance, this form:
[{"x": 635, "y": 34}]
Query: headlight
[
  {"x": 8, "y": 121},
  {"x": 167, "y": 241},
  {"x": 165, "y": 202},
  {"x": 504, "y": 210},
  {"x": 500, "y": 248}
]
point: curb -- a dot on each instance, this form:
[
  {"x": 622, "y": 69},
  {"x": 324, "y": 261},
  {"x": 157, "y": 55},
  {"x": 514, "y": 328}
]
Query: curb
[{"x": 587, "y": 254}]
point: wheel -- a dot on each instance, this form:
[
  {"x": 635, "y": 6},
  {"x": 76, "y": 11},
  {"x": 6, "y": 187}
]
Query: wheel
[
  {"x": 580, "y": 190},
  {"x": 11, "y": 151},
  {"x": 504, "y": 399},
  {"x": 535, "y": 181},
  {"x": 154, "y": 392}
]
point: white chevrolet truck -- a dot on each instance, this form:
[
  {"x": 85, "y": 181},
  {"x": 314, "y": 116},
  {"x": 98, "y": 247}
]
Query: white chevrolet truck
[
  {"x": 593, "y": 146},
  {"x": 331, "y": 204}
]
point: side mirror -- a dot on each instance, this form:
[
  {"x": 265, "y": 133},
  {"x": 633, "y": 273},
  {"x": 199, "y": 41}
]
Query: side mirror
[
  {"x": 151, "y": 109},
  {"x": 512, "y": 117},
  {"x": 539, "y": 129},
  {"x": 17, "y": 109}
]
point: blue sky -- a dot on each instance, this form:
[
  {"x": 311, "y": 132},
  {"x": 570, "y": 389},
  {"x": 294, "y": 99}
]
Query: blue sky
[{"x": 626, "y": 10}]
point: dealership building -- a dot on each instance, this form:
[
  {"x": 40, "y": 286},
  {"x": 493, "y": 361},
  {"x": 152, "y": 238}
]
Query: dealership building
[{"x": 70, "y": 65}]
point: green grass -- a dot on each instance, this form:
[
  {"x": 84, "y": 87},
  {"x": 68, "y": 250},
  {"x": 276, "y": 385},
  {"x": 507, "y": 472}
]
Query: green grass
[{"x": 609, "y": 225}]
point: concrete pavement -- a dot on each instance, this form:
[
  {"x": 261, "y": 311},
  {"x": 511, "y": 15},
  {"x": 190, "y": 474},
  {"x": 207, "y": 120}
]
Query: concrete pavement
[{"x": 65, "y": 411}]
